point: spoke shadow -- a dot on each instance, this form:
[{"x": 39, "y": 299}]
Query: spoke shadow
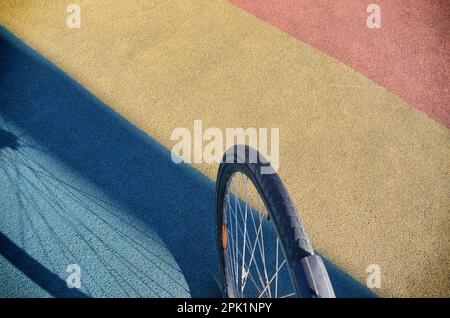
[
  {"x": 123, "y": 182},
  {"x": 33, "y": 269},
  {"x": 83, "y": 185}
]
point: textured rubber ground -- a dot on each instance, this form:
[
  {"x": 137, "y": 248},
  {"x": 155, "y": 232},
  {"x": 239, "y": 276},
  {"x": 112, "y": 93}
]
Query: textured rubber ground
[
  {"x": 373, "y": 170},
  {"x": 80, "y": 184},
  {"x": 275, "y": 196},
  {"x": 408, "y": 55}
]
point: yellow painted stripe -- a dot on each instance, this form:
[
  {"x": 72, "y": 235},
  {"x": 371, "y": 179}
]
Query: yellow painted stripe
[{"x": 369, "y": 173}]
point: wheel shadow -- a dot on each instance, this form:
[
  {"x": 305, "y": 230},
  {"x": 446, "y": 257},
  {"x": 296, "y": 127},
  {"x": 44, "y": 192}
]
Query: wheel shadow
[
  {"x": 73, "y": 153},
  {"x": 38, "y": 273},
  {"x": 80, "y": 184}
]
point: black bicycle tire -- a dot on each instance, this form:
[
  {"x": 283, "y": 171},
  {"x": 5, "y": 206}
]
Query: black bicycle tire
[{"x": 290, "y": 228}]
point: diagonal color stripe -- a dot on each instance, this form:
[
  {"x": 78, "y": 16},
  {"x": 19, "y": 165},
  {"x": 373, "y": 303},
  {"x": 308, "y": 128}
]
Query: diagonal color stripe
[
  {"x": 409, "y": 55},
  {"x": 369, "y": 173},
  {"x": 77, "y": 197}
]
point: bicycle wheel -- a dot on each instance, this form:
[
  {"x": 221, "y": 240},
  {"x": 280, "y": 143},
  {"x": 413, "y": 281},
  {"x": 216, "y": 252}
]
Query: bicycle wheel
[{"x": 264, "y": 250}]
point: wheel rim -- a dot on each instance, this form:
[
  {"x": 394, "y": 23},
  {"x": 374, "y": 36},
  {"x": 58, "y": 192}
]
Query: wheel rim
[{"x": 254, "y": 260}]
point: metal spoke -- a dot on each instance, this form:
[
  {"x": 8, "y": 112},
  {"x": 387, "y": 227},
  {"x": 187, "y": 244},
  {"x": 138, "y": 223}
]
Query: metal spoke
[
  {"x": 288, "y": 295},
  {"x": 275, "y": 275},
  {"x": 244, "y": 272},
  {"x": 276, "y": 266},
  {"x": 252, "y": 280},
  {"x": 237, "y": 242},
  {"x": 252, "y": 251},
  {"x": 263, "y": 256},
  {"x": 246, "y": 241}
]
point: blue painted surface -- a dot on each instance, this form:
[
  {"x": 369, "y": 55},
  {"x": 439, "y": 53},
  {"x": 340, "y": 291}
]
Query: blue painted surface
[{"x": 80, "y": 184}]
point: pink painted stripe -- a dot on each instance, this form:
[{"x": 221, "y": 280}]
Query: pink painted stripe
[{"x": 409, "y": 55}]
